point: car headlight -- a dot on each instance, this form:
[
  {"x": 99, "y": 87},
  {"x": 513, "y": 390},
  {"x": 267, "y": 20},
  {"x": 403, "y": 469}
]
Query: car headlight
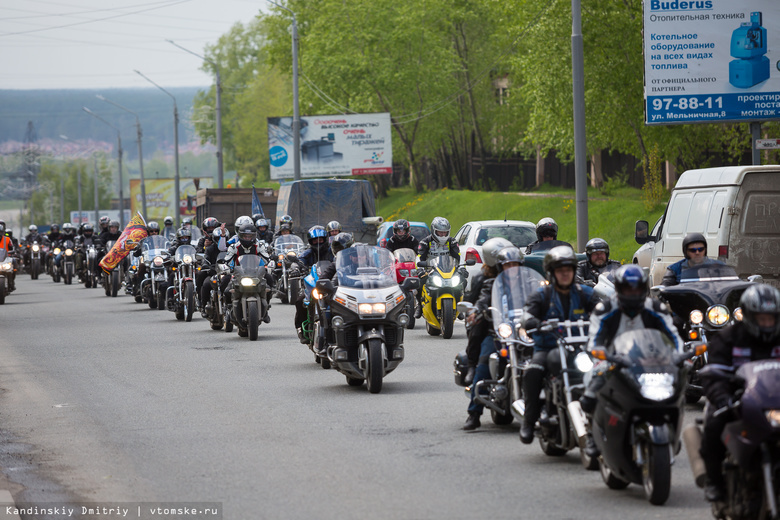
[
  {"x": 738, "y": 314},
  {"x": 371, "y": 308},
  {"x": 583, "y": 362},
  {"x": 455, "y": 280},
  {"x": 69, "y": 252},
  {"x": 158, "y": 261},
  {"x": 436, "y": 281},
  {"x": 656, "y": 386},
  {"x": 36, "y": 248},
  {"x": 248, "y": 282},
  {"x": 187, "y": 259},
  {"x": 718, "y": 315},
  {"x": 696, "y": 317},
  {"x": 504, "y": 330},
  {"x": 773, "y": 416}
]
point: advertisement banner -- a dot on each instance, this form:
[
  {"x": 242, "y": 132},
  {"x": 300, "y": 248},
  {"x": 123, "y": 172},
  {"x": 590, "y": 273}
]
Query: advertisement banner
[
  {"x": 355, "y": 144},
  {"x": 711, "y": 60},
  {"x": 134, "y": 232},
  {"x": 160, "y": 195}
]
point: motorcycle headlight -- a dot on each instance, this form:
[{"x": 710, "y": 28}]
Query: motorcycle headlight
[
  {"x": 248, "y": 282},
  {"x": 455, "y": 280},
  {"x": 696, "y": 317},
  {"x": 718, "y": 315},
  {"x": 36, "y": 248},
  {"x": 187, "y": 259},
  {"x": 773, "y": 416},
  {"x": 69, "y": 252},
  {"x": 292, "y": 254},
  {"x": 6, "y": 266},
  {"x": 583, "y": 362},
  {"x": 738, "y": 314},
  {"x": 436, "y": 281},
  {"x": 371, "y": 308},
  {"x": 656, "y": 387},
  {"x": 404, "y": 272},
  {"x": 57, "y": 250},
  {"x": 158, "y": 261},
  {"x": 504, "y": 330}
]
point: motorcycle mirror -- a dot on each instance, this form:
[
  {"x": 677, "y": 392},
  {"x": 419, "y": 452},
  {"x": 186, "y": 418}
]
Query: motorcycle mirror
[
  {"x": 757, "y": 278},
  {"x": 471, "y": 262},
  {"x": 422, "y": 263},
  {"x": 410, "y": 284},
  {"x": 465, "y": 307},
  {"x": 325, "y": 286}
]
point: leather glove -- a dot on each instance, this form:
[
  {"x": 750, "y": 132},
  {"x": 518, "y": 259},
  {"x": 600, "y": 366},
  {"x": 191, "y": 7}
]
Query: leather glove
[{"x": 531, "y": 322}]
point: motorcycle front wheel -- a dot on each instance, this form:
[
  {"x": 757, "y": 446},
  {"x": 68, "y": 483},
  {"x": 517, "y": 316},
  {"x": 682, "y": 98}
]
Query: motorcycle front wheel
[
  {"x": 115, "y": 283},
  {"x": 189, "y": 301},
  {"x": 36, "y": 268},
  {"x": 252, "y": 320},
  {"x": 656, "y": 472},
  {"x": 447, "y": 321},
  {"x": 2, "y": 291},
  {"x": 375, "y": 367}
]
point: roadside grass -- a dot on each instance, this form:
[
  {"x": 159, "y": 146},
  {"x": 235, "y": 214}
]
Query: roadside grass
[{"x": 611, "y": 218}]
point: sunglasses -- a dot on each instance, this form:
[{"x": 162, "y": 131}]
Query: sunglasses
[{"x": 695, "y": 249}]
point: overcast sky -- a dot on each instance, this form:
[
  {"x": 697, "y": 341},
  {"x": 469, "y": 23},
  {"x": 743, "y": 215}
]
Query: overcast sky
[{"x": 48, "y": 44}]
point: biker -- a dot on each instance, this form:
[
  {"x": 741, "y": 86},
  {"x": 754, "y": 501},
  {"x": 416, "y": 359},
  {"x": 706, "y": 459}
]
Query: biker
[
  {"x": 31, "y": 237},
  {"x": 754, "y": 338},
  {"x": 54, "y": 235},
  {"x": 286, "y": 220},
  {"x": 402, "y": 238},
  {"x": 694, "y": 247},
  {"x": 547, "y": 237},
  {"x": 630, "y": 309},
  {"x": 562, "y": 299},
  {"x": 169, "y": 231},
  {"x": 481, "y": 343},
  {"x": 84, "y": 240},
  {"x": 68, "y": 233},
  {"x": 319, "y": 250},
  {"x": 7, "y": 243},
  {"x": 333, "y": 228},
  {"x": 247, "y": 244},
  {"x": 438, "y": 243},
  {"x": 109, "y": 234},
  {"x": 217, "y": 244},
  {"x": 263, "y": 230},
  {"x": 103, "y": 223},
  {"x": 243, "y": 220},
  {"x": 210, "y": 227},
  {"x": 597, "y": 262}
]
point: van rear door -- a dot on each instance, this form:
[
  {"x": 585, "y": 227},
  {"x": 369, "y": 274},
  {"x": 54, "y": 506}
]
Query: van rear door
[{"x": 754, "y": 239}]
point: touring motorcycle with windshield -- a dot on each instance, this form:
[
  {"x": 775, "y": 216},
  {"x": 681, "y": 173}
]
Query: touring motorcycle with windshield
[
  {"x": 248, "y": 295},
  {"x": 156, "y": 260},
  {"x": 287, "y": 249},
  {"x": 182, "y": 292}
]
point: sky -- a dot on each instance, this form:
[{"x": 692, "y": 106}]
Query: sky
[{"x": 69, "y": 44}]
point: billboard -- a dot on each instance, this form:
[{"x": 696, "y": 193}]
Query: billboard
[
  {"x": 355, "y": 144},
  {"x": 160, "y": 195},
  {"x": 711, "y": 60}
]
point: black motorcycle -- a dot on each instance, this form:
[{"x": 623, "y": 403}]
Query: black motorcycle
[
  {"x": 752, "y": 440},
  {"x": 182, "y": 292},
  {"x": 156, "y": 260},
  {"x": 287, "y": 249},
  {"x": 112, "y": 280},
  {"x": 68, "y": 261},
  {"x": 639, "y": 411},
  {"x": 248, "y": 295},
  {"x": 92, "y": 270},
  {"x": 214, "y": 310},
  {"x": 705, "y": 301},
  {"x": 34, "y": 259},
  {"x": 368, "y": 318}
]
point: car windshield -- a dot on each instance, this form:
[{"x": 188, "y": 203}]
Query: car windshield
[
  {"x": 511, "y": 290},
  {"x": 153, "y": 246},
  {"x": 520, "y": 236},
  {"x": 184, "y": 251},
  {"x": 709, "y": 272},
  {"x": 365, "y": 267},
  {"x": 405, "y": 255},
  {"x": 645, "y": 348},
  {"x": 286, "y": 243}
]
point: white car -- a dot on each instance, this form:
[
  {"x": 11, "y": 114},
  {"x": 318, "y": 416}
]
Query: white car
[
  {"x": 472, "y": 235},
  {"x": 644, "y": 255}
]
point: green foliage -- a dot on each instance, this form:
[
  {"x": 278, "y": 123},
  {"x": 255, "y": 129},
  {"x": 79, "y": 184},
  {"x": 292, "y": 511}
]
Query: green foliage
[
  {"x": 612, "y": 184},
  {"x": 653, "y": 192}
]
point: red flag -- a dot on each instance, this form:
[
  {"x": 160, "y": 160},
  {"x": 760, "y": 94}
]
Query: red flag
[{"x": 134, "y": 232}]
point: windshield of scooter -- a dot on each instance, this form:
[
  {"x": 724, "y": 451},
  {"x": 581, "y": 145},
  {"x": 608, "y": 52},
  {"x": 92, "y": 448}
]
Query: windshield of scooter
[
  {"x": 286, "y": 243},
  {"x": 648, "y": 350},
  {"x": 511, "y": 289},
  {"x": 249, "y": 265},
  {"x": 709, "y": 272},
  {"x": 444, "y": 263},
  {"x": 154, "y": 246},
  {"x": 405, "y": 256},
  {"x": 365, "y": 267},
  {"x": 186, "y": 254}
]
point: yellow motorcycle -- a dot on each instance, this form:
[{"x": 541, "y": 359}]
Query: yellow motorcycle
[{"x": 443, "y": 289}]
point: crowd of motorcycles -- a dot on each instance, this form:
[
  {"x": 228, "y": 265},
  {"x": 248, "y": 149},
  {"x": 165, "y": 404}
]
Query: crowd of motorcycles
[{"x": 357, "y": 328}]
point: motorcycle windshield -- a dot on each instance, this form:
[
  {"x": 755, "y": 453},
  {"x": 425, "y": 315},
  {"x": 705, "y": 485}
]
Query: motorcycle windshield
[
  {"x": 511, "y": 290},
  {"x": 249, "y": 265},
  {"x": 3, "y": 255},
  {"x": 404, "y": 256},
  {"x": 713, "y": 272},
  {"x": 648, "y": 350},
  {"x": 444, "y": 263},
  {"x": 154, "y": 246},
  {"x": 286, "y": 243},
  {"x": 365, "y": 267},
  {"x": 185, "y": 252}
]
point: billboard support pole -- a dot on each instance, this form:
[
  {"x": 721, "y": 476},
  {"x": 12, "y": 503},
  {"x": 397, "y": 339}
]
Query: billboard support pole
[{"x": 755, "y": 132}]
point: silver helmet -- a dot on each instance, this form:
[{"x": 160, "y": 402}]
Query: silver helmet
[
  {"x": 440, "y": 228},
  {"x": 490, "y": 250}
]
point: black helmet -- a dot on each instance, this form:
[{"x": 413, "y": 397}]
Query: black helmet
[
  {"x": 153, "y": 227},
  {"x": 332, "y": 226},
  {"x": 761, "y": 299},
  {"x": 401, "y": 225},
  {"x": 87, "y": 230},
  {"x": 247, "y": 234},
  {"x": 594, "y": 245},
  {"x": 285, "y": 227},
  {"x": 55, "y": 228},
  {"x": 490, "y": 249},
  {"x": 341, "y": 242},
  {"x": 557, "y": 257},
  {"x": 508, "y": 255},
  {"x": 186, "y": 221},
  {"x": 546, "y": 227},
  {"x": 104, "y": 220},
  {"x": 631, "y": 288},
  {"x": 184, "y": 235},
  {"x": 692, "y": 238},
  {"x": 168, "y": 221},
  {"x": 316, "y": 232},
  {"x": 210, "y": 224},
  {"x": 286, "y": 219},
  {"x": 441, "y": 229}
]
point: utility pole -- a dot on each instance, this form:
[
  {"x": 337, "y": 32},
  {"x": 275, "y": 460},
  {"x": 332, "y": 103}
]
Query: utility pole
[
  {"x": 119, "y": 164},
  {"x": 580, "y": 148},
  {"x": 97, "y": 195}
]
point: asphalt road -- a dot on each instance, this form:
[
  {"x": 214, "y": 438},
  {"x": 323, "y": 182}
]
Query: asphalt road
[{"x": 105, "y": 401}]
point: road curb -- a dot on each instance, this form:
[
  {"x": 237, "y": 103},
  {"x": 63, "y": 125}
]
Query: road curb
[{"x": 6, "y": 498}]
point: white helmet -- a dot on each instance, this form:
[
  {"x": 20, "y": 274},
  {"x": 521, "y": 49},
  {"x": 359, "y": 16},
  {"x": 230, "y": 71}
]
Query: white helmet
[
  {"x": 440, "y": 227},
  {"x": 242, "y": 220},
  {"x": 491, "y": 248}
]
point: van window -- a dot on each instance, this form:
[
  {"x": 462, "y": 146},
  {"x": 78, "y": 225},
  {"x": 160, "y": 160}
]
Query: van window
[
  {"x": 717, "y": 212},
  {"x": 678, "y": 216},
  {"x": 761, "y": 216}
]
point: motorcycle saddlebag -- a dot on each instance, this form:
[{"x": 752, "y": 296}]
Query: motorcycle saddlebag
[{"x": 460, "y": 367}]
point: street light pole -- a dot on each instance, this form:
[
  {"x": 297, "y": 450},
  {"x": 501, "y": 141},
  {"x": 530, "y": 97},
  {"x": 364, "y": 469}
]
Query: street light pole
[
  {"x": 220, "y": 175},
  {"x": 119, "y": 165},
  {"x": 97, "y": 194},
  {"x": 175, "y": 146},
  {"x": 580, "y": 148},
  {"x": 296, "y": 109},
  {"x": 140, "y": 150}
]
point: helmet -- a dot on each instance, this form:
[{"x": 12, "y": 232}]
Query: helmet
[
  {"x": 594, "y": 245},
  {"x": 332, "y": 226},
  {"x": 508, "y": 255},
  {"x": 257, "y": 216},
  {"x": 316, "y": 232},
  {"x": 286, "y": 219},
  {"x": 491, "y": 248},
  {"x": 68, "y": 229},
  {"x": 401, "y": 225},
  {"x": 247, "y": 234},
  {"x": 87, "y": 228},
  {"x": 186, "y": 221},
  {"x": 55, "y": 228},
  {"x": 761, "y": 299},
  {"x": 557, "y": 257},
  {"x": 546, "y": 227},
  {"x": 262, "y": 222},
  {"x": 168, "y": 221},
  {"x": 184, "y": 235},
  {"x": 285, "y": 227},
  {"x": 242, "y": 221},
  {"x": 33, "y": 228},
  {"x": 113, "y": 223},
  {"x": 210, "y": 224},
  {"x": 341, "y": 242},
  {"x": 104, "y": 220},
  {"x": 441, "y": 229},
  {"x": 631, "y": 288},
  {"x": 692, "y": 238},
  {"x": 153, "y": 226}
]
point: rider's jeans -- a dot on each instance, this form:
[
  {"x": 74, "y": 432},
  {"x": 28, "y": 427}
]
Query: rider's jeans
[{"x": 483, "y": 371}]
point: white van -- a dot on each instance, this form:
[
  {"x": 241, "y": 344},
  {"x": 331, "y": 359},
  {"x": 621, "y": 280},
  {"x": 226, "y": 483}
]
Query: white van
[{"x": 737, "y": 208}]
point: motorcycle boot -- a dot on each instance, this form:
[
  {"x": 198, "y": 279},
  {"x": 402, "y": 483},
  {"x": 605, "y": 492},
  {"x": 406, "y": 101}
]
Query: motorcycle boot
[
  {"x": 302, "y": 336},
  {"x": 472, "y": 423},
  {"x": 715, "y": 490},
  {"x": 532, "y": 386}
]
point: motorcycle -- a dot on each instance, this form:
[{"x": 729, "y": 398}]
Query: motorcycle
[
  {"x": 287, "y": 248},
  {"x": 317, "y": 316},
  {"x": 34, "y": 256},
  {"x": 404, "y": 268},
  {"x": 6, "y": 270},
  {"x": 502, "y": 394},
  {"x": 156, "y": 259},
  {"x": 442, "y": 291},
  {"x": 248, "y": 295},
  {"x": 368, "y": 317},
  {"x": 68, "y": 261},
  {"x": 182, "y": 292},
  {"x": 91, "y": 268},
  {"x": 752, "y": 441},
  {"x": 54, "y": 269},
  {"x": 112, "y": 280},
  {"x": 214, "y": 311},
  {"x": 705, "y": 301},
  {"x": 639, "y": 412}
]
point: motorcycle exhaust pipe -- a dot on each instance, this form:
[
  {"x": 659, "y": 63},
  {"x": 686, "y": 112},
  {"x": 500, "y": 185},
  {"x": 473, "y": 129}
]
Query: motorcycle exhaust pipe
[
  {"x": 692, "y": 439},
  {"x": 578, "y": 419}
]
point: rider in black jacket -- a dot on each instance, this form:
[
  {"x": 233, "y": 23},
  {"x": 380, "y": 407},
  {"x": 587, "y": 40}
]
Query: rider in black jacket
[
  {"x": 402, "y": 237},
  {"x": 547, "y": 237},
  {"x": 598, "y": 262}
]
